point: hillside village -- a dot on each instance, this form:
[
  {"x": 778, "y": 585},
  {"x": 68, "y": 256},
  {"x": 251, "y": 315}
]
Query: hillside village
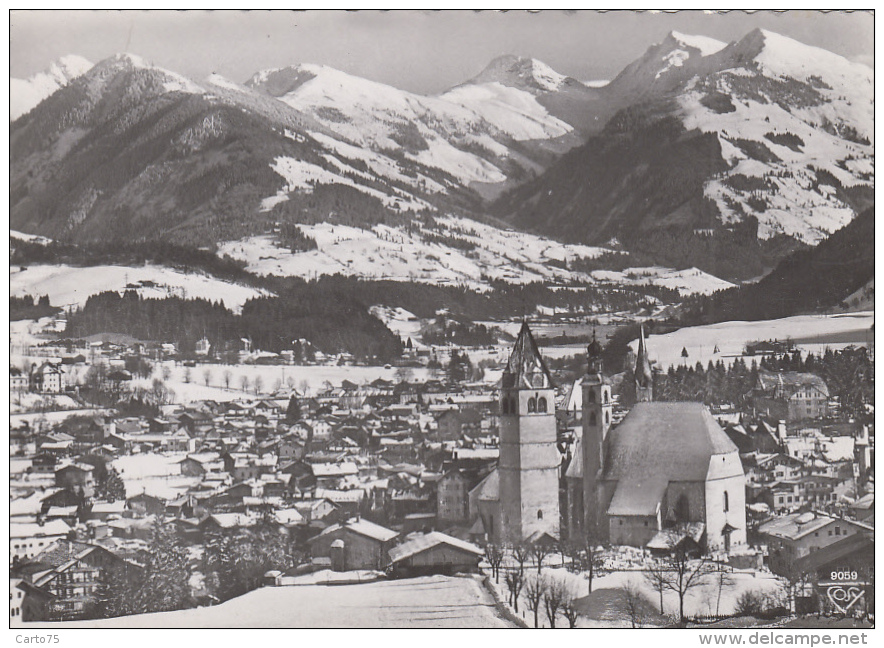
[{"x": 403, "y": 479}]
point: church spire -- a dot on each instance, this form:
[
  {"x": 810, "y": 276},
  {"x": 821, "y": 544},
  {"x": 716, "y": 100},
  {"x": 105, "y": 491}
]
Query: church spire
[
  {"x": 526, "y": 368},
  {"x": 594, "y": 355},
  {"x": 644, "y": 379}
]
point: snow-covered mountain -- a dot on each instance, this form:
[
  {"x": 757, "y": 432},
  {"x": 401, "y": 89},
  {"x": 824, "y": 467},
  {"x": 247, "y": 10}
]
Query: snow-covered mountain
[
  {"x": 24, "y": 94},
  {"x": 764, "y": 139}
]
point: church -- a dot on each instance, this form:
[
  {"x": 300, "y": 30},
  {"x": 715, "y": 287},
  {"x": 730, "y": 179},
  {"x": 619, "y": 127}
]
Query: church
[{"x": 666, "y": 471}]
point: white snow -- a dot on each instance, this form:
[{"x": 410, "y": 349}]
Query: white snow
[
  {"x": 514, "y": 111},
  {"x": 25, "y": 94},
  {"x": 385, "y": 252},
  {"x": 705, "y": 44},
  {"x": 31, "y": 238},
  {"x": 690, "y": 281},
  {"x": 425, "y": 602},
  {"x": 72, "y": 286},
  {"x": 731, "y": 337}
]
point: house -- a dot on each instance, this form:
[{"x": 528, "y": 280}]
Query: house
[
  {"x": 48, "y": 378},
  {"x": 202, "y": 347},
  {"x": 791, "y": 396},
  {"x": 18, "y": 381},
  {"x": 196, "y": 422},
  {"x": 354, "y": 544},
  {"x": 433, "y": 553},
  {"x": 27, "y": 602},
  {"x": 200, "y": 464},
  {"x": 792, "y": 538},
  {"x": 28, "y": 540},
  {"x": 452, "y": 424},
  {"x": 74, "y": 577},
  {"x": 145, "y": 504},
  {"x": 76, "y": 477},
  {"x": 453, "y": 497}
]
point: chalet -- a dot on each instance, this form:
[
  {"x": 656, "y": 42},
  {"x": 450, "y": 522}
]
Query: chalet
[
  {"x": 433, "y": 553},
  {"x": 198, "y": 423},
  {"x": 354, "y": 544},
  {"x": 314, "y": 510},
  {"x": 452, "y": 424},
  {"x": 791, "y": 396},
  {"x": 74, "y": 577},
  {"x": 792, "y": 538},
  {"x": 198, "y": 465},
  {"x": 77, "y": 477},
  {"x": 290, "y": 448},
  {"x": 144, "y": 504}
]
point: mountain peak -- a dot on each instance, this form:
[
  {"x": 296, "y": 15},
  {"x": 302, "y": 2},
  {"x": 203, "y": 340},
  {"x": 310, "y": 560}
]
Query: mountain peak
[
  {"x": 520, "y": 72},
  {"x": 25, "y": 94},
  {"x": 704, "y": 44}
]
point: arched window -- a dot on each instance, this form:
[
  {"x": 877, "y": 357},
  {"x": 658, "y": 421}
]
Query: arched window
[
  {"x": 607, "y": 418},
  {"x": 682, "y": 509},
  {"x": 532, "y": 405},
  {"x": 591, "y": 395},
  {"x": 505, "y": 405},
  {"x": 539, "y": 515},
  {"x": 727, "y": 504},
  {"x": 541, "y": 405},
  {"x": 592, "y": 418},
  {"x": 607, "y": 396}
]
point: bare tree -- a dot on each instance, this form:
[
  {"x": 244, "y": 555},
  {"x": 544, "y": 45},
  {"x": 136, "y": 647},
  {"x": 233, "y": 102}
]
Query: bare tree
[
  {"x": 534, "y": 588},
  {"x": 244, "y": 383},
  {"x": 227, "y": 377},
  {"x": 632, "y": 603},
  {"x": 167, "y": 373},
  {"x": 187, "y": 375},
  {"x": 569, "y": 607},
  {"x": 494, "y": 556},
  {"x": 277, "y": 385},
  {"x": 685, "y": 574},
  {"x": 514, "y": 583},
  {"x": 259, "y": 384},
  {"x": 657, "y": 577},
  {"x": 539, "y": 551},
  {"x": 207, "y": 376},
  {"x": 520, "y": 552},
  {"x": 553, "y": 594},
  {"x": 593, "y": 560}
]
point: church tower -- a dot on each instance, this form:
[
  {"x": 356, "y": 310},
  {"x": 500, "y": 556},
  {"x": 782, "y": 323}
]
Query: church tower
[
  {"x": 529, "y": 459},
  {"x": 597, "y": 409},
  {"x": 644, "y": 378}
]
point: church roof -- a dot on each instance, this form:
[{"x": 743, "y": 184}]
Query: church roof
[
  {"x": 640, "y": 496},
  {"x": 490, "y": 487},
  {"x": 575, "y": 468},
  {"x": 526, "y": 368},
  {"x": 671, "y": 440}
]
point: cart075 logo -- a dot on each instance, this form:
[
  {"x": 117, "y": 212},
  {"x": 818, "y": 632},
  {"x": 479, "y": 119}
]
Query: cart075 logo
[{"x": 845, "y": 589}]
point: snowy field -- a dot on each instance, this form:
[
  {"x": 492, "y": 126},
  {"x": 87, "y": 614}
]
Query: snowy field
[
  {"x": 72, "y": 286},
  {"x": 427, "y": 602},
  {"x": 310, "y": 379},
  {"x": 815, "y": 332}
]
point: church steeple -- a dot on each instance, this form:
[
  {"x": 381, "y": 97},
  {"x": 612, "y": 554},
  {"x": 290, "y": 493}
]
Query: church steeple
[
  {"x": 594, "y": 356},
  {"x": 644, "y": 378},
  {"x": 526, "y": 368}
]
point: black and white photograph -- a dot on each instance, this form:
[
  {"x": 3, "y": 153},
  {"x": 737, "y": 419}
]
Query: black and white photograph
[{"x": 386, "y": 319}]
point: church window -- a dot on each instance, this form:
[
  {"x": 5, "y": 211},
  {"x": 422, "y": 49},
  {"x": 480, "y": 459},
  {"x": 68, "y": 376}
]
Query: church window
[
  {"x": 607, "y": 418},
  {"x": 607, "y": 396},
  {"x": 591, "y": 395},
  {"x": 505, "y": 406},
  {"x": 592, "y": 418},
  {"x": 726, "y": 502},
  {"x": 541, "y": 405},
  {"x": 532, "y": 405},
  {"x": 539, "y": 515},
  {"x": 682, "y": 509}
]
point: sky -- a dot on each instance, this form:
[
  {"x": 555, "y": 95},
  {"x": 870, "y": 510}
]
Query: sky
[{"x": 420, "y": 51}]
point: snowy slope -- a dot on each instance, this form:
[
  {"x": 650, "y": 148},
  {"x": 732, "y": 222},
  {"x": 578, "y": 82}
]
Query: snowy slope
[
  {"x": 72, "y": 286},
  {"x": 486, "y": 254},
  {"x": 811, "y": 109},
  {"x": 25, "y": 94}
]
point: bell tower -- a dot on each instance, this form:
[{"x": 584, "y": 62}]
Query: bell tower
[
  {"x": 597, "y": 411},
  {"x": 529, "y": 459}
]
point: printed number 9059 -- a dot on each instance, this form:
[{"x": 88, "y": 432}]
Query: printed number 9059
[{"x": 843, "y": 575}]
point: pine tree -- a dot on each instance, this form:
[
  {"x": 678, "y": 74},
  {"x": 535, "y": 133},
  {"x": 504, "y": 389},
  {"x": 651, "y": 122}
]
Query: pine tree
[{"x": 164, "y": 585}]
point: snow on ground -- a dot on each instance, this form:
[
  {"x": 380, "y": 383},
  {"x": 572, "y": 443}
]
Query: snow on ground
[
  {"x": 426, "y": 602},
  {"x": 31, "y": 238},
  {"x": 514, "y": 111},
  {"x": 272, "y": 378},
  {"x": 813, "y": 333},
  {"x": 403, "y": 323},
  {"x": 43, "y": 420},
  {"x": 686, "y": 282},
  {"x": 72, "y": 286}
]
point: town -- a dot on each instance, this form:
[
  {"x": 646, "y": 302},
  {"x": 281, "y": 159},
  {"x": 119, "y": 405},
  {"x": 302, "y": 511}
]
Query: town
[{"x": 552, "y": 487}]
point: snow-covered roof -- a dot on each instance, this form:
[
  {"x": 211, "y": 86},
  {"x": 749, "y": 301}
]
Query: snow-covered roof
[
  {"x": 419, "y": 544},
  {"x": 364, "y": 528},
  {"x": 51, "y": 528}
]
